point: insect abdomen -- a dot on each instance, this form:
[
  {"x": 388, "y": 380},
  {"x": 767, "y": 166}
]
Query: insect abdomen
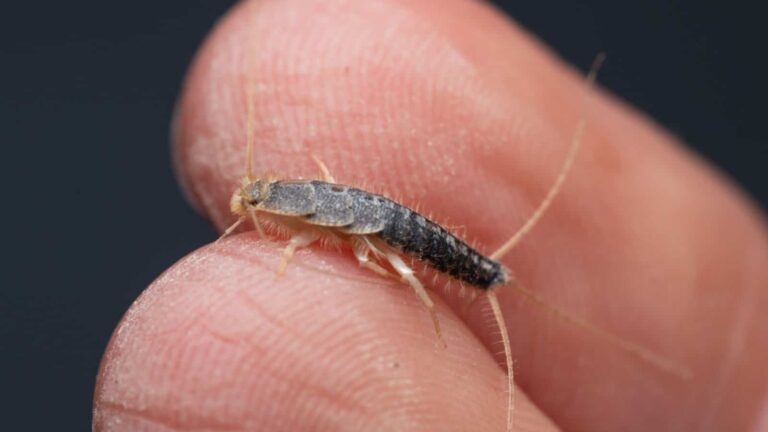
[{"x": 416, "y": 235}]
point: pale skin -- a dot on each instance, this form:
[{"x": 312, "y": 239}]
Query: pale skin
[{"x": 457, "y": 110}]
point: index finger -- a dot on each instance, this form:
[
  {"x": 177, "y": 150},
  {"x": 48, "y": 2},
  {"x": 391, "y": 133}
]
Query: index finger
[{"x": 451, "y": 107}]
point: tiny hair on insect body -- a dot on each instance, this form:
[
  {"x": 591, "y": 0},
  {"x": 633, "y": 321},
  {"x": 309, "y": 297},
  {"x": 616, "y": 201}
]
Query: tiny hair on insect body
[{"x": 384, "y": 235}]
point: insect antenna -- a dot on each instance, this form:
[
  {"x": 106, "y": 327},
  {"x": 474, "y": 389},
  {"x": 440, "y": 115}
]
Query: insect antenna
[
  {"x": 561, "y": 177},
  {"x": 248, "y": 164},
  {"x": 249, "y": 135},
  {"x": 231, "y": 228}
]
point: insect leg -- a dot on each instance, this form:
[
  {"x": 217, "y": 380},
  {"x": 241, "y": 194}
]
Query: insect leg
[
  {"x": 361, "y": 250},
  {"x": 256, "y": 224},
  {"x": 299, "y": 240},
  {"x": 405, "y": 272},
  {"x": 324, "y": 172}
]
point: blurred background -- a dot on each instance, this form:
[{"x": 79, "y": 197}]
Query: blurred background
[{"x": 90, "y": 205}]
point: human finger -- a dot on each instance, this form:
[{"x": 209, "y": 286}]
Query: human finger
[
  {"x": 217, "y": 342},
  {"x": 451, "y": 107}
]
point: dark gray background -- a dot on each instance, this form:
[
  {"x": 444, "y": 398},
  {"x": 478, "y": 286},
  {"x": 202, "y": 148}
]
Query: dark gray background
[{"x": 91, "y": 211}]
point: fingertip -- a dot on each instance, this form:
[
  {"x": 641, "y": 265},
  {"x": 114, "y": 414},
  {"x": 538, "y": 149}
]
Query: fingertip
[{"x": 217, "y": 342}]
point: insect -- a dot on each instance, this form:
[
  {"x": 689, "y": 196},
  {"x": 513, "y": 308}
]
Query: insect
[{"x": 381, "y": 232}]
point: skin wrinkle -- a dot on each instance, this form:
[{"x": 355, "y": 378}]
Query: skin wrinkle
[
  {"x": 317, "y": 391},
  {"x": 167, "y": 423},
  {"x": 148, "y": 301},
  {"x": 181, "y": 412},
  {"x": 308, "y": 341},
  {"x": 189, "y": 323},
  {"x": 338, "y": 403}
]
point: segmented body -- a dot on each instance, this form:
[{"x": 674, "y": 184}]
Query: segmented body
[{"x": 357, "y": 212}]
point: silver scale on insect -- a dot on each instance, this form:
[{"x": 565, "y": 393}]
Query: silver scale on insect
[{"x": 381, "y": 230}]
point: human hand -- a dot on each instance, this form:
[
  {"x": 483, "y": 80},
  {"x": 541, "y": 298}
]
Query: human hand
[{"x": 447, "y": 105}]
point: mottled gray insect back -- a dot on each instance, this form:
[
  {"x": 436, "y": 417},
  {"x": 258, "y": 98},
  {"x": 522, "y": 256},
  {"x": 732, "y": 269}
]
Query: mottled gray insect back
[
  {"x": 355, "y": 211},
  {"x": 290, "y": 198}
]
